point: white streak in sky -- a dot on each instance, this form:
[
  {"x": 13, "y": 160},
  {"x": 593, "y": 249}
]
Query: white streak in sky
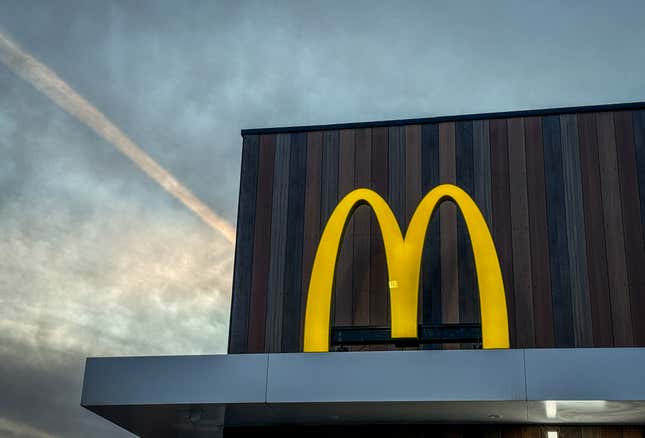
[{"x": 48, "y": 82}]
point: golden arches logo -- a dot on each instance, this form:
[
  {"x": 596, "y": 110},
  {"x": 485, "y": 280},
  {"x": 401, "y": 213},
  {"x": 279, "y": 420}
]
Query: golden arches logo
[{"x": 403, "y": 255}]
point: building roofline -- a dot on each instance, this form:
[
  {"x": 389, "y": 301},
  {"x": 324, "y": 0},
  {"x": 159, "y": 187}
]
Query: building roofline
[{"x": 454, "y": 118}]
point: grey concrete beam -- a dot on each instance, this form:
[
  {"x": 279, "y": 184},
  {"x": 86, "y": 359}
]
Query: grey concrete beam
[
  {"x": 175, "y": 380},
  {"x": 384, "y": 376}
]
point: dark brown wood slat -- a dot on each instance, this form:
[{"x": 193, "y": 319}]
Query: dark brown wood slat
[
  {"x": 275, "y": 292},
  {"x": 379, "y": 291},
  {"x": 379, "y": 177},
  {"x": 329, "y": 193},
  {"x": 501, "y": 209},
  {"x": 639, "y": 141},
  {"x": 595, "y": 232},
  {"x": 431, "y": 262},
  {"x": 634, "y": 248},
  {"x": 295, "y": 239},
  {"x": 312, "y": 212},
  {"x": 344, "y": 270},
  {"x": 557, "y": 233},
  {"x": 587, "y": 431},
  {"x": 540, "y": 269},
  {"x": 239, "y": 325},
  {"x": 582, "y": 325},
  {"x": 633, "y": 432},
  {"x": 468, "y": 292},
  {"x": 261, "y": 245},
  {"x": 611, "y": 432},
  {"x": 396, "y": 171},
  {"x": 362, "y": 253},
  {"x": 481, "y": 175},
  {"x": 570, "y": 432},
  {"x": 413, "y": 186},
  {"x": 413, "y": 192},
  {"x": 520, "y": 234},
  {"x": 612, "y": 209},
  {"x": 448, "y": 213}
]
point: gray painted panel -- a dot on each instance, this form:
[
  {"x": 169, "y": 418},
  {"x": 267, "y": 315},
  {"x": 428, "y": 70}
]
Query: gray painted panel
[
  {"x": 385, "y": 376},
  {"x": 175, "y": 380},
  {"x": 586, "y": 374}
]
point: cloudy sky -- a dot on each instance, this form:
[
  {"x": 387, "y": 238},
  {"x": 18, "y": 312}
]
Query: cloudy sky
[{"x": 98, "y": 259}]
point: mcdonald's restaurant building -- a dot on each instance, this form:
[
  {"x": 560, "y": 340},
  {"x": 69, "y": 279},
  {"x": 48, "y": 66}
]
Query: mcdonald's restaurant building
[{"x": 478, "y": 275}]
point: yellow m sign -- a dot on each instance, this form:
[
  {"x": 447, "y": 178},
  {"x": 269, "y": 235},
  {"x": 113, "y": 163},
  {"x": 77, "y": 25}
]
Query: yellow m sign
[{"x": 403, "y": 257}]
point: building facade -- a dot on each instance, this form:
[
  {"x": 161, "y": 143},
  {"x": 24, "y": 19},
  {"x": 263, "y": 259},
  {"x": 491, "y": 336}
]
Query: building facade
[{"x": 562, "y": 193}]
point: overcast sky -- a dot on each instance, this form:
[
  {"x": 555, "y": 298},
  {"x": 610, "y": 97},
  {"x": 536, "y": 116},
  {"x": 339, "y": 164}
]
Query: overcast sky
[{"x": 97, "y": 259}]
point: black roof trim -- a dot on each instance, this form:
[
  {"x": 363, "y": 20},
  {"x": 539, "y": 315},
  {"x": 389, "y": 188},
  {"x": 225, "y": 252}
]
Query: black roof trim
[{"x": 423, "y": 120}]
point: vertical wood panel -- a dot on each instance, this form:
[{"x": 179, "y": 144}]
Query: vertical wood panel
[
  {"x": 540, "y": 268},
  {"x": 329, "y": 194},
  {"x": 633, "y": 432},
  {"x": 413, "y": 159},
  {"x": 612, "y": 208},
  {"x": 396, "y": 170},
  {"x": 344, "y": 269},
  {"x": 431, "y": 262},
  {"x": 634, "y": 249},
  {"x": 481, "y": 174},
  {"x": 448, "y": 224},
  {"x": 239, "y": 324},
  {"x": 557, "y": 232},
  {"x": 295, "y": 240},
  {"x": 602, "y": 330},
  {"x": 275, "y": 295},
  {"x": 639, "y": 141},
  {"x": 312, "y": 212},
  {"x": 413, "y": 187},
  {"x": 329, "y": 189},
  {"x": 575, "y": 232},
  {"x": 362, "y": 253},
  {"x": 464, "y": 156},
  {"x": 520, "y": 234},
  {"x": 611, "y": 432},
  {"x": 261, "y": 248},
  {"x": 379, "y": 291},
  {"x": 500, "y": 198}
]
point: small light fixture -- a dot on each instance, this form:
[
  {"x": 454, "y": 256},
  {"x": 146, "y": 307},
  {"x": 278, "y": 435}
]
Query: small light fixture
[
  {"x": 551, "y": 412},
  {"x": 494, "y": 417},
  {"x": 552, "y": 434}
]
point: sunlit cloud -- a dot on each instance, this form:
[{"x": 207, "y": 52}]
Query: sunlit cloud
[{"x": 48, "y": 82}]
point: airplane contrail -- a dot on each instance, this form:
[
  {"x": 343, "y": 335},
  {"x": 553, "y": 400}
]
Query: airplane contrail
[{"x": 49, "y": 83}]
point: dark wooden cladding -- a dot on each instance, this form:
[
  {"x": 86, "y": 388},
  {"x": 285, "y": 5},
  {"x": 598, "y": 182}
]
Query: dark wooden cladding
[
  {"x": 632, "y": 228},
  {"x": 621, "y": 313},
  {"x": 563, "y": 194},
  {"x": 239, "y": 327},
  {"x": 448, "y": 225},
  {"x": 501, "y": 208},
  {"x": 312, "y": 218},
  {"x": 595, "y": 231},
  {"x": 344, "y": 281},
  {"x": 581, "y": 305},
  {"x": 442, "y": 431},
  {"x": 557, "y": 233},
  {"x": 261, "y": 248},
  {"x": 522, "y": 280},
  {"x": 431, "y": 261},
  {"x": 295, "y": 240},
  {"x": 362, "y": 252},
  {"x": 379, "y": 182},
  {"x": 465, "y": 178},
  {"x": 275, "y": 293},
  {"x": 540, "y": 268}
]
